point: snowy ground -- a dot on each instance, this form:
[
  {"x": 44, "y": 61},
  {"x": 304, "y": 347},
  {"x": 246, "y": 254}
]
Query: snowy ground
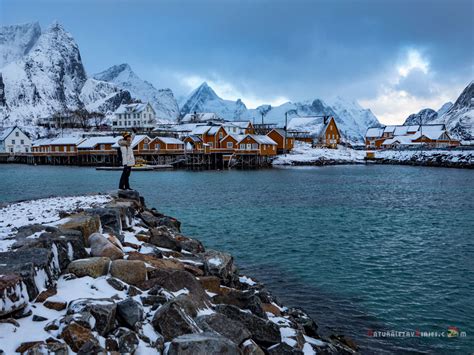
[
  {"x": 303, "y": 153},
  {"x": 453, "y": 156},
  {"x": 42, "y": 211}
]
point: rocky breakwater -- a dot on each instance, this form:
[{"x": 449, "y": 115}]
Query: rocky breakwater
[{"x": 112, "y": 276}]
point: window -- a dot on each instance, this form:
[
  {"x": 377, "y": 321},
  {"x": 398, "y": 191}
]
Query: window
[
  {"x": 221, "y": 135},
  {"x": 65, "y": 148},
  {"x": 114, "y": 123},
  {"x": 211, "y": 144},
  {"x": 230, "y": 145},
  {"x": 13, "y": 141},
  {"x": 249, "y": 146},
  {"x": 242, "y": 146},
  {"x": 17, "y": 134},
  {"x": 22, "y": 141},
  {"x": 26, "y": 149},
  {"x": 56, "y": 148},
  {"x": 102, "y": 147},
  {"x": 11, "y": 150},
  {"x": 146, "y": 146},
  {"x": 71, "y": 148},
  {"x": 157, "y": 146}
]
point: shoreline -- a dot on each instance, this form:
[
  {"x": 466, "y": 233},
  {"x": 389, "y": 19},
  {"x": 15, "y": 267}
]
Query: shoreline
[{"x": 136, "y": 261}]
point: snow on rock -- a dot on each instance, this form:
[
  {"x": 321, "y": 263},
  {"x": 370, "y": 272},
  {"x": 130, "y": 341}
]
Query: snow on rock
[
  {"x": 456, "y": 158},
  {"x": 304, "y": 154},
  {"x": 42, "y": 211},
  {"x": 162, "y": 100}
]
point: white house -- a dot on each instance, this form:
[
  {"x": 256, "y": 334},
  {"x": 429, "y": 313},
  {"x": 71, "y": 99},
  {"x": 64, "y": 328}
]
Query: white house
[
  {"x": 14, "y": 140},
  {"x": 134, "y": 116}
]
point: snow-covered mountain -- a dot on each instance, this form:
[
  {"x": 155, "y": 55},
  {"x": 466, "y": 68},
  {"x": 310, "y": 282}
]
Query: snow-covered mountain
[
  {"x": 49, "y": 77},
  {"x": 204, "y": 99},
  {"x": 458, "y": 117},
  {"x": 352, "y": 119},
  {"x": 162, "y": 100},
  {"x": 425, "y": 116},
  {"x": 17, "y": 40}
]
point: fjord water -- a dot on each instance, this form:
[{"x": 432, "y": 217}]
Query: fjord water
[{"x": 360, "y": 248}]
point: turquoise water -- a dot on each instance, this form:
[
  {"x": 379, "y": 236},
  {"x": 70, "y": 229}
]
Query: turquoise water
[{"x": 359, "y": 247}]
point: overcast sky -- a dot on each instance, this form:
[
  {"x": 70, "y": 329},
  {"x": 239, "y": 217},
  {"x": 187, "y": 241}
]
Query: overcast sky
[{"x": 394, "y": 57}]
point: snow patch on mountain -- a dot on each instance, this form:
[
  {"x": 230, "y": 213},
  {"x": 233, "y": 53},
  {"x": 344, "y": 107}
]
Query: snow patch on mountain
[
  {"x": 17, "y": 40},
  {"x": 162, "y": 100}
]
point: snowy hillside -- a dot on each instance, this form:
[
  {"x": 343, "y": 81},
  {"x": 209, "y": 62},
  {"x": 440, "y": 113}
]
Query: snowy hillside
[
  {"x": 458, "y": 117},
  {"x": 162, "y": 100},
  {"x": 49, "y": 78},
  {"x": 204, "y": 99},
  {"x": 17, "y": 40}
]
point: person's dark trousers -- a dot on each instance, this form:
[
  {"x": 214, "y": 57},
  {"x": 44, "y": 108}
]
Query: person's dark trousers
[{"x": 124, "y": 183}]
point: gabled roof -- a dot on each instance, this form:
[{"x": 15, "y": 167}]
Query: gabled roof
[
  {"x": 169, "y": 140},
  {"x": 213, "y": 130},
  {"x": 400, "y": 130},
  {"x": 374, "y": 132},
  {"x": 42, "y": 142},
  {"x": 93, "y": 141},
  {"x": 260, "y": 139},
  {"x": 194, "y": 138},
  {"x": 200, "y": 129},
  {"x": 236, "y": 137},
  {"x": 132, "y": 108},
  {"x": 403, "y": 140},
  {"x": 432, "y": 131},
  {"x": 389, "y": 129},
  {"x": 6, "y": 132},
  {"x": 241, "y": 124},
  {"x": 67, "y": 141}
]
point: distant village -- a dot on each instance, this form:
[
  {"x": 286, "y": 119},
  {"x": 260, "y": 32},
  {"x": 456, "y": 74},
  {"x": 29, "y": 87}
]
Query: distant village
[{"x": 199, "y": 139}]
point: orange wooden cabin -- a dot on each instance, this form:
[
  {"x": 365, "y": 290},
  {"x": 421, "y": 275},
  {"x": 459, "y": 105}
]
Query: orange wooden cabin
[
  {"x": 256, "y": 144},
  {"x": 284, "y": 140}
]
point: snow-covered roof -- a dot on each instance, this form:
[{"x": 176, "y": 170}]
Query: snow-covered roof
[
  {"x": 374, "y": 132},
  {"x": 260, "y": 139},
  {"x": 137, "y": 139},
  {"x": 5, "y": 133},
  {"x": 400, "y": 130},
  {"x": 131, "y": 108},
  {"x": 200, "y": 129},
  {"x": 93, "y": 141},
  {"x": 237, "y": 137},
  {"x": 413, "y": 128},
  {"x": 403, "y": 140},
  {"x": 389, "y": 129},
  {"x": 213, "y": 130},
  {"x": 432, "y": 131},
  {"x": 241, "y": 124},
  {"x": 169, "y": 140},
  {"x": 67, "y": 141},
  {"x": 42, "y": 142},
  {"x": 314, "y": 124},
  {"x": 194, "y": 138}
]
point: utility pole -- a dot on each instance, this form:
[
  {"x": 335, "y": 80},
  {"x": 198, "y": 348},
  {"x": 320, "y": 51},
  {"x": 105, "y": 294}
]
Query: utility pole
[
  {"x": 262, "y": 117},
  {"x": 286, "y": 130}
]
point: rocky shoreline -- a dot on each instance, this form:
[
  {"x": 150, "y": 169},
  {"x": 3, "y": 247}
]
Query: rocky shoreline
[{"x": 105, "y": 274}]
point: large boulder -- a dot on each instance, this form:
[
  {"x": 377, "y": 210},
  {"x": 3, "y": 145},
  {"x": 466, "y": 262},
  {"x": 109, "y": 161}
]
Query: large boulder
[
  {"x": 220, "y": 264},
  {"x": 283, "y": 349},
  {"x": 38, "y": 268},
  {"x": 127, "y": 340},
  {"x": 13, "y": 294},
  {"x": 172, "y": 320},
  {"x": 202, "y": 343},
  {"x": 85, "y": 223},
  {"x": 249, "y": 347},
  {"x": 76, "y": 336},
  {"x": 129, "y": 312},
  {"x": 192, "y": 245},
  {"x": 126, "y": 209},
  {"x": 110, "y": 219},
  {"x": 264, "y": 332},
  {"x": 178, "y": 280},
  {"x": 130, "y": 271},
  {"x": 242, "y": 299},
  {"x": 130, "y": 195},
  {"x": 156, "y": 262},
  {"x": 103, "y": 310},
  {"x": 101, "y": 246},
  {"x": 305, "y": 321},
  {"x": 161, "y": 237},
  {"x": 219, "y": 323},
  {"x": 155, "y": 219},
  {"x": 93, "y": 267}
]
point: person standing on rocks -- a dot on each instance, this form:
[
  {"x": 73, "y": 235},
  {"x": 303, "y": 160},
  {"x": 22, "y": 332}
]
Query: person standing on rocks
[{"x": 128, "y": 159}]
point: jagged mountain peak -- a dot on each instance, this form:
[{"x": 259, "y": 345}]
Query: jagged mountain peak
[{"x": 162, "y": 100}]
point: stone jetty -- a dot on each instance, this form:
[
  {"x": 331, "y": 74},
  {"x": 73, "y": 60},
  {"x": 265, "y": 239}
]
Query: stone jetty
[{"x": 104, "y": 274}]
